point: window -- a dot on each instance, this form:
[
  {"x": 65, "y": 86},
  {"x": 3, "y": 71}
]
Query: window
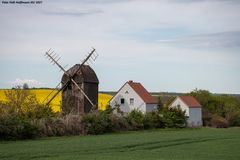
[
  {"x": 69, "y": 87},
  {"x": 178, "y": 106},
  {"x": 122, "y": 100},
  {"x": 131, "y": 101}
]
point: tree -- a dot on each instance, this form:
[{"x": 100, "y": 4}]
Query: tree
[
  {"x": 169, "y": 100},
  {"x": 160, "y": 104},
  {"x": 203, "y": 96},
  {"x": 24, "y": 104},
  {"x": 17, "y": 99},
  {"x": 25, "y": 86}
]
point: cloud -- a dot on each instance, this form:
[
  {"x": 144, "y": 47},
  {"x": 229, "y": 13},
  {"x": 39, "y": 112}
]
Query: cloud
[
  {"x": 212, "y": 40},
  {"x": 72, "y": 12},
  {"x": 91, "y": 1},
  {"x": 30, "y": 82},
  {"x": 105, "y": 1}
]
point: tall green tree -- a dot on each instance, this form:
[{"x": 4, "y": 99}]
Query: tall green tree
[{"x": 225, "y": 106}]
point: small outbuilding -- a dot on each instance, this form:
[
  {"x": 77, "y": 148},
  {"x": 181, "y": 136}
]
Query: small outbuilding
[
  {"x": 192, "y": 108},
  {"x": 133, "y": 95}
]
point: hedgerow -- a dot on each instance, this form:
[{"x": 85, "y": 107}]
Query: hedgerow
[
  {"x": 23, "y": 117},
  {"x": 99, "y": 122}
]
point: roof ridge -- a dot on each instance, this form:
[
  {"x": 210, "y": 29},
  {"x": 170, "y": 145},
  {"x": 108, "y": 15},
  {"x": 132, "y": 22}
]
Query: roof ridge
[
  {"x": 142, "y": 92},
  {"x": 190, "y": 101}
]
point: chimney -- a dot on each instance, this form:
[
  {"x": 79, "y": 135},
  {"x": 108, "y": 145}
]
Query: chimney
[{"x": 130, "y": 81}]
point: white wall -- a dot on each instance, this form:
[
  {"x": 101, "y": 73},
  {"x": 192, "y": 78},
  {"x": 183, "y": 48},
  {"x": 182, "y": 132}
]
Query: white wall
[
  {"x": 151, "y": 107},
  {"x": 194, "y": 114},
  {"x": 195, "y": 117},
  {"x": 127, "y": 92}
]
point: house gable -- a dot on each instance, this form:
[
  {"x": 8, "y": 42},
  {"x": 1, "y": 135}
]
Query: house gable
[
  {"x": 179, "y": 103},
  {"x": 131, "y": 96},
  {"x": 142, "y": 92},
  {"x": 127, "y": 93}
]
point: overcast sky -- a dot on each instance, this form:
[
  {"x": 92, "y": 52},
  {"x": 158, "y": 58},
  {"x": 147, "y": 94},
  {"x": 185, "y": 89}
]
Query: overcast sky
[{"x": 167, "y": 45}]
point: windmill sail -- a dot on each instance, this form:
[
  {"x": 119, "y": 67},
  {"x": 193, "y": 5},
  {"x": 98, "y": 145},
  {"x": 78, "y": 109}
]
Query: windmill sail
[{"x": 54, "y": 58}]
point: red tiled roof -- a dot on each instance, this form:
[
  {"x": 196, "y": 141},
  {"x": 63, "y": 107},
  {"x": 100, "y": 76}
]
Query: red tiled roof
[
  {"x": 190, "y": 101},
  {"x": 142, "y": 92}
]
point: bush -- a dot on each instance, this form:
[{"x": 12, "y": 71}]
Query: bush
[
  {"x": 219, "y": 122},
  {"x": 24, "y": 104},
  {"x": 174, "y": 118},
  {"x": 61, "y": 126},
  {"x": 97, "y": 122},
  {"x": 234, "y": 121},
  {"x": 135, "y": 119},
  {"x": 73, "y": 124},
  {"x": 52, "y": 127},
  {"x": 148, "y": 120},
  {"x": 119, "y": 123},
  {"x": 206, "y": 117},
  {"x": 154, "y": 120},
  {"x": 233, "y": 118},
  {"x": 14, "y": 127}
]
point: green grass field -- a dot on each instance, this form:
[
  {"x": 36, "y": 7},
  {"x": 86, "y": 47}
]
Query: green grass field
[{"x": 183, "y": 144}]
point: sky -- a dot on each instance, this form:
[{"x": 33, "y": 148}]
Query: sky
[{"x": 167, "y": 45}]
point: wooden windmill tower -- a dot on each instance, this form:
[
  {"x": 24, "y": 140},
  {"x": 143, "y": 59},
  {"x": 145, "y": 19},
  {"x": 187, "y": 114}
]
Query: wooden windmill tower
[{"x": 79, "y": 85}]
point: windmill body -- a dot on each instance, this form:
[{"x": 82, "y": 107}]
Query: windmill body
[
  {"x": 79, "y": 85},
  {"x": 73, "y": 100}
]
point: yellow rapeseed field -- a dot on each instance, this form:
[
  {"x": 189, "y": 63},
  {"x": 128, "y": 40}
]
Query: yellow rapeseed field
[
  {"x": 41, "y": 94},
  {"x": 103, "y": 100}
]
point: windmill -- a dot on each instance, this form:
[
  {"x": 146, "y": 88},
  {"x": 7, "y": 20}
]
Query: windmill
[{"x": 79, "y": 85}]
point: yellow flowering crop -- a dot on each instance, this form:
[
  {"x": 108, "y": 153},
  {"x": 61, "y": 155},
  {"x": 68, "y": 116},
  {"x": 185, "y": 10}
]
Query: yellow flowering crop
[
  {"x": 103, "y": 100},
  {"x": 41, "y": 94}
]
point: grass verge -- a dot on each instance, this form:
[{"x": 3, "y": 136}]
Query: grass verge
[{"x": 181, "y": 144}]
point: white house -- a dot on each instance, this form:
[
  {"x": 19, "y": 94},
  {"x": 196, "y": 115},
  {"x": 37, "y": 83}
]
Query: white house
[
  {"x": 133, "y": 95},
  {"x": 192, "y": 107}
]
